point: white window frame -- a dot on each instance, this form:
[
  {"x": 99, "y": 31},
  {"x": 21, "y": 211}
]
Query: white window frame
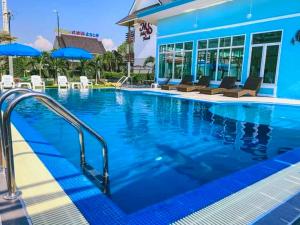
[
  {"x": 215, "y": 81},
  {"x": 174, "y": 52},
  {"x": 265, "y": 45}
]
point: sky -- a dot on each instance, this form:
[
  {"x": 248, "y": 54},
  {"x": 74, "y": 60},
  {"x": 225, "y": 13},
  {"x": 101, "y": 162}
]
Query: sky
[{"x": 34, "y": 21}]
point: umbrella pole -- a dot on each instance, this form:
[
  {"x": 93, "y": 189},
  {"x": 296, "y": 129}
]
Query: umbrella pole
[{"x": 11, "y": 65}]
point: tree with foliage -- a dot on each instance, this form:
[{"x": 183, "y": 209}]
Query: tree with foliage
[
  {"x": 6, "y": 37},
  {"x": 95, "y": 66}
]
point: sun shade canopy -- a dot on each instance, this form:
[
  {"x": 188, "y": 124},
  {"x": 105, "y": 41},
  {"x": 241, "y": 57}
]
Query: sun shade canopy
[
  {"x": 16, "y": 49},
  {"x": 71, "y": 53}
]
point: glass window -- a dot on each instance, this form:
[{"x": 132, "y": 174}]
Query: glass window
[
  {"x": 201, "y": 64},
  {"x": 271, "y": 64},
  {"x": 162, "y": 48},
  {"x": 179, "y": 47},
  {"x": 175, "y": 60},
  {"x": 162, "y": 65},
  {"x": 212, "y": 63},
  {"x": 178, "y": 65},
  {"x": 188, "y": 46},
  {"x": 225, "y": 42},
  {"x": 223, "y": 65},
  {"x": 236, "y": 63},
  {"x": 187, "y": 64},
  {"x": 169, "y": 64},
  {"x": 270, "y": 37},
  {"x": 213, "y": 43},
  {"x": 226, "y": 52},
  {"x": 170, "y": 47},
  {"x": 238, "y": 41},
  {"x": 256, "y": 60},
  {"x": 202, "y": 44}
]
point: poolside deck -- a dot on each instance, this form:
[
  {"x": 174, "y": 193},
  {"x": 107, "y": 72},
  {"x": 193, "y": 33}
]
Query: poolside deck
[
  {"x": 219, "y": 98},
  {"x": 11, "y": 212}
]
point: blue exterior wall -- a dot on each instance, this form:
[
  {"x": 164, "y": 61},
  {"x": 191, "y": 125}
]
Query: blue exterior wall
[{"x": 267, "y": 15}]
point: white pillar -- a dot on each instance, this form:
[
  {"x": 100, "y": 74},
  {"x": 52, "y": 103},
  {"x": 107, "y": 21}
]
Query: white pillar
[
  {"x": 6, "y": 28},
  {"x": 5, "y": 16}
]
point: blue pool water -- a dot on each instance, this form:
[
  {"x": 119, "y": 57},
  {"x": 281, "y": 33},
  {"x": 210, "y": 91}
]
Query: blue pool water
[{"x": 161, "y": 146}]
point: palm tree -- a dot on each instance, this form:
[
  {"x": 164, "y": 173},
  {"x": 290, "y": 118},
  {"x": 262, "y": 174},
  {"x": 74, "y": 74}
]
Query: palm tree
[
  {"x": 47, "y": 65},
  {"x": 150, "y": 60},
  {"x": 118, "y": 61},
  {"x": 108, "y": 58},
  {"x": 95, "y": 66},
  {"x": 6, "y": 37}
]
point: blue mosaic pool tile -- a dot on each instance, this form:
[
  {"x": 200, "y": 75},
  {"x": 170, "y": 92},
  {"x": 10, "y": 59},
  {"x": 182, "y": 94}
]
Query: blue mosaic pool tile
[
  {"x": 183, "y": 205},
  {"x": 291, "y": 157}
]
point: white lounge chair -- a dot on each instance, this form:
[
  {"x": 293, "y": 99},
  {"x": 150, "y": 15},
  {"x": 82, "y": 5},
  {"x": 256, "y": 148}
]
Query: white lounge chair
[
  {"x": 37, "y": 82},
  {"x": 85, "y": 83},
  {"x": 7, "y": 82},
  {"x": 62, "y": 82}
]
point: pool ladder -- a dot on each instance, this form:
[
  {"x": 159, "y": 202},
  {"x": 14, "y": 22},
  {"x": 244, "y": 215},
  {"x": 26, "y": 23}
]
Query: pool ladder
[
  {"x": 123, "y": 80},
  {"x": 6, "y": 145}
]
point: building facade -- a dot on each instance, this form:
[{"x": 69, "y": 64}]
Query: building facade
[
  {"x": 144, "y": 34},
  {"x": 90, "y": 44},
  {"x": 239, "y": 38}
]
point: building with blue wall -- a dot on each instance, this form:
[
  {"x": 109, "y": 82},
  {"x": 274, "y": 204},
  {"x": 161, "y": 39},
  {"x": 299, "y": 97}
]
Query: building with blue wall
[{"x": 240, "y": 38}]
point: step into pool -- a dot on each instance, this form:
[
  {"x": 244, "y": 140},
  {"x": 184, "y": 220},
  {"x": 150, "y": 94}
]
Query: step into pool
[{"x": 161, "y": 146}]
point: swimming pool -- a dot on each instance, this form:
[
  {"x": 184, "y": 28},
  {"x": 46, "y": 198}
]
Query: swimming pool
[{"x": 161, "y": 146}]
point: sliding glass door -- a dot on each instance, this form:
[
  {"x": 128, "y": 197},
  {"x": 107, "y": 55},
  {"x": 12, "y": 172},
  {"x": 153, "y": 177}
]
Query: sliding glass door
[{"x": 265, "y": 56}]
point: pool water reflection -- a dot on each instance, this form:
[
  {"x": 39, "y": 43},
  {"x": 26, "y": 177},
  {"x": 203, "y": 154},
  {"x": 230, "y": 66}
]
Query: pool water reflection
[{"x": 161, "y": 146}]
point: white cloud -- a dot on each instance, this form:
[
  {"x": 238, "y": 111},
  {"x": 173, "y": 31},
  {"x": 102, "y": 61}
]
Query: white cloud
[
  {"x": 109, "y": 44},
  {"x": 42, "y": 43}
]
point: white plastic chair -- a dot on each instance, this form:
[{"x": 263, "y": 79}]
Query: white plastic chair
[
  {"x": 7, "y": 82},
  {"x": 37, "y": 82},
  {"x": 84, "y": 82},
  {"x": 62, "y": 82}
]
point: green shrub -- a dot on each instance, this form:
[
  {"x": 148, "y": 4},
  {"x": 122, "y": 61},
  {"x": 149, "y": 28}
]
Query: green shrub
[
  {"x": 49, "y": 82},
  {"x": 112, "y": 75},
  {"x": 141, "y": 78}
]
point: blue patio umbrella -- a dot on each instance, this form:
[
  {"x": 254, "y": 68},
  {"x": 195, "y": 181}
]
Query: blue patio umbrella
[
  {"x": 16, "y": 49},
  {"x": 71, "y": 53}
]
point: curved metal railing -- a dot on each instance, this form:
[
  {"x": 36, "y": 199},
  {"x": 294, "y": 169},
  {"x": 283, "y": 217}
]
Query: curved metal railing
[
  {"x": 65, "y": 114},
  {"x": 3, "y": 97}
]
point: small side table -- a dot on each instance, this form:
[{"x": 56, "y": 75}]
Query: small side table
[
  {"x": 76, "y": 85},
  {"x": 24, "y": 85}
]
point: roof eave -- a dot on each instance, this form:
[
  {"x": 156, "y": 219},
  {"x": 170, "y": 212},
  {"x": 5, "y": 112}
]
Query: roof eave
[{"x": 176, "y": 8}]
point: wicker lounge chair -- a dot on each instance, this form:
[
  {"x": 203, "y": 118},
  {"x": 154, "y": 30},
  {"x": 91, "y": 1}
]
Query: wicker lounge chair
[
  {"x": 202, "y": 83},
  {"x": 251, "y": 88},
  {"x": 187, "y": 80},
  {"x": 227, "y": 83}
]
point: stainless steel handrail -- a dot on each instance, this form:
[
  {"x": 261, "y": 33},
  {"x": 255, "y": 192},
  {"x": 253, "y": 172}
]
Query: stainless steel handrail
[
  {"x": 122, "y": 80},
  {"x": 3, "y": 97},
  {"x": 65, "y": 114}
]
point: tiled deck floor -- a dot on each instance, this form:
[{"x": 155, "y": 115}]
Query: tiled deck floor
[
  {"x": 45, "y": 200},
  {"x": 287, "y": 213},
  {"x": 247, "y": 205},
  {"x": 219, "y": 98},
  {"x": 11, "y": 213}
]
